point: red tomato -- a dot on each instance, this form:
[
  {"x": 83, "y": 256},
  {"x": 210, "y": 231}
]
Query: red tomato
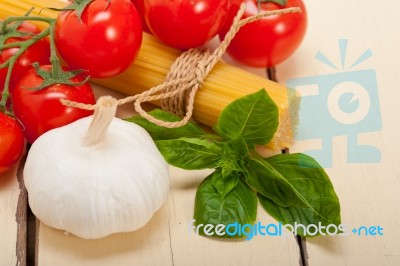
[
  {"x": 40, "y": 110},
  {"x": 105, "y": 42},
  {"x": 270, "y": 40},
  {"x": 38, "y": 52},
  {"x": 11, "y": 142},
  {"x": 185, "y": 24},
  {"x": 139, "y": 4}
]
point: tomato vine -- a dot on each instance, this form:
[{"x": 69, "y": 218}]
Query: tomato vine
[{"x": 56, "y": 75}]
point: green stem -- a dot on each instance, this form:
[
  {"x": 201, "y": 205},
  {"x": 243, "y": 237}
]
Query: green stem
[
  {"x": 54, "y": 60},
  {"x": 56, "y": 75},
  {"x": 279, "y": 2},
  {"x": 12, "y": 45},
  {"x": 24, "y": 46},
  {"x": 13, "y": 19},
  {"x": 6, "y": 93},
  {"x": 11, "y": 61}
]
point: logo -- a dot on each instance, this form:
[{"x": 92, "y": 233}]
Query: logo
[
  {"x": 278, "y": 229},
  {"x": 344, "y": 103}
]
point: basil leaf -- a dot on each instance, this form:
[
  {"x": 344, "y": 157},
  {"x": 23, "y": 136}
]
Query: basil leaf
[
  {"x": 313, "y": 184},
  {"x": 253, "y": 117},
  {"x": 238, "y": 206},
  {"x": 266, "y": 180},
  {"x": 190, "y": 153},
  {"x": 236, "y": 147},
  {"x": 233, "y": 158},
  {"x": 191, "y": 129},
  {"x": 230, "y": 166},
  {"x": 224, "y": 183}
]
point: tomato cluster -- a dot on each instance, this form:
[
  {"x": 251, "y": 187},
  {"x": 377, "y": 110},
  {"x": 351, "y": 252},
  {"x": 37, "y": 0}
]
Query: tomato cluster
[
  {"x": 101, "y": 39},
  {"x": 185, "y": 24},
  {"x": 11, "y": 134},
  {"x": 38, "y": 52}
]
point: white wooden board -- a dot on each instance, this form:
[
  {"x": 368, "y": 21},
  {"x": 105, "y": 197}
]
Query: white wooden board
[
  {"x": 166, "y": 240},
  {"x": 368, "y": 192},
  {"x": 9, "y": 192},
  {"x": 12, "y": 219}
]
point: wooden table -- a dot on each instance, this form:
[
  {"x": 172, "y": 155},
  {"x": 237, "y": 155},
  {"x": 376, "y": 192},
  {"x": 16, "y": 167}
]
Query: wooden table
[{"x": 368, "y": 191}]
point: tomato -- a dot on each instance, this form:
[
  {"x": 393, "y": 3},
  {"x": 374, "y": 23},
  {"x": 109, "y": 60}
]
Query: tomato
[
  {"x": 270, "y": 40},
  {"x": 11, "y": 142},
  {"x": 40, "y": 110},
  {"x": 139, "y": 4},
  {"x": 38, "y": 52},
  {"x": 185, "y": 24},
  {"x": 105, "y": 41}
]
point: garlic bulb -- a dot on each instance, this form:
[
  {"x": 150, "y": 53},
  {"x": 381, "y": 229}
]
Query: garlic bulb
[{"x": 93, "y": 183}]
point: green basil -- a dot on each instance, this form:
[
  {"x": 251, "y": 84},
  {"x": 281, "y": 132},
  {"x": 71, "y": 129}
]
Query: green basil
[
  {"x": 238, "y": 206},
  {"x": 315, "y": 188},
  {"x": 230, "y": 166},
  {"x": 225, "y": 183},
  {"x": 190, "y": 153},
  {"x": 267, "y": 181},
  {"x": 254, "y": 117},
  {"x": 233, "y": 158},
  {"x": 292, "y": 188}
]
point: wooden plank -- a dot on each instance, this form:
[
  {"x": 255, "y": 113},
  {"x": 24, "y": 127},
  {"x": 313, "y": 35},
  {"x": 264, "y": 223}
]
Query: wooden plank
[
  {"x": 368, "y": 192},
  {"x": 13, "y": 204},
  {"x": 21, "y": 217},
  {"x": 166, "y": 240},
  {"x": 190, "y": 249},
  {"x": 9, "y": 192},
  {"x": 148, "y": 246}
]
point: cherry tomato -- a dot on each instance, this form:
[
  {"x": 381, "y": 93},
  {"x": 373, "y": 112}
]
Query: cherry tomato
[
  {"x": 11, "y": 142},
  {"x": 39, "y": 111},
  {"x": 185, "y": 24},
  {"x": 105, "y": 41},
  {"x": 38, "y": 52},
  {"x": 270, "y": 40},
  {"x": 139, "y": 4}
]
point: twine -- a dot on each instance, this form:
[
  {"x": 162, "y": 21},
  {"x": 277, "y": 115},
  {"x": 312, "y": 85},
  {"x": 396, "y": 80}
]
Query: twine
[{"x": 186, "y": 76}]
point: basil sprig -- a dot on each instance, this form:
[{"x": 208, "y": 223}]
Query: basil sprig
[{"x": 292, "y": 188}]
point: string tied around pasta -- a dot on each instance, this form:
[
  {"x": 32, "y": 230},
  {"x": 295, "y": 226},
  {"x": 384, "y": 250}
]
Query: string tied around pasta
[{"x": 186, "y": 75}]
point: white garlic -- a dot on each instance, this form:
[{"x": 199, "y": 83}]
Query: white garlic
[{"x": 107, "y": 180}]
